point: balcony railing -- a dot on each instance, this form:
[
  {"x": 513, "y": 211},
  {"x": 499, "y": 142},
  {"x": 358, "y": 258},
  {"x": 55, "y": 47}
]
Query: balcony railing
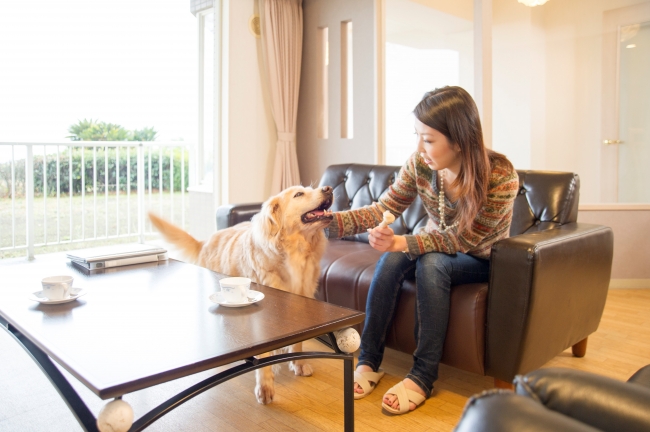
[{"x": 88, "y": 191}]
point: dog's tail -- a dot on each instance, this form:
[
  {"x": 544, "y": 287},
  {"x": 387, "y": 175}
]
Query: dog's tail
[{"x": 175, "y": 235}]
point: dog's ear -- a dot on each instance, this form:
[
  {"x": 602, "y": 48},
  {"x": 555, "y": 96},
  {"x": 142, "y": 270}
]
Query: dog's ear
[{"x": 271, "y": 217}]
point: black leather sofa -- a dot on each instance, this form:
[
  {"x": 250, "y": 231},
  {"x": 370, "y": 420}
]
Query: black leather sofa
[
  {"x": 547, "y": 287},
  {"x": 562, "y": 400}
]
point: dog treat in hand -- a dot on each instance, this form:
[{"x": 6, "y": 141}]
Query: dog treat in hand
[{"x": 388, "y": 219}]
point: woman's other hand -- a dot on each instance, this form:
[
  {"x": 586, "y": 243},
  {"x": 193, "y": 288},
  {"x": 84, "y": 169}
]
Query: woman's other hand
[{"x": 384, "y": 240}]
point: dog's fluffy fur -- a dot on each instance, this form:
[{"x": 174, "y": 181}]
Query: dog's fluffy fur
[{"x": 280, "y": 247}]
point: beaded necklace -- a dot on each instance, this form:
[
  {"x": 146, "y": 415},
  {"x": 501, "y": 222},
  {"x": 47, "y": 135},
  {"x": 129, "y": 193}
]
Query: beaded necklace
[{"x": 443, "y": 227}]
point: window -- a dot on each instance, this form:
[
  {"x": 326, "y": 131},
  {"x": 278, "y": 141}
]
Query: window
[
  {"x": 205, "y": 153},
  {"x": 426, "y": 48},
  {"x": 411, "y": 72}
]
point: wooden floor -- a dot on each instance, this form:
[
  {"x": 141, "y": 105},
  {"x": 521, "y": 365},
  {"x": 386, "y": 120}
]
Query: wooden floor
[{"x": 29, "y": 403}]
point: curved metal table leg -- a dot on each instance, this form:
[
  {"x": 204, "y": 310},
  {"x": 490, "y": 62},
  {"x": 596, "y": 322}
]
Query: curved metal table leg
[
  {"x": 88, "y": 421},
  {"x": 80, "y": 410}
]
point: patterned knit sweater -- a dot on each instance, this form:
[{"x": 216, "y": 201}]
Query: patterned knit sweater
[{"x": 415, "y": 178}]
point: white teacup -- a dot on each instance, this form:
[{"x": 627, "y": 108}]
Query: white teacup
[
  {"x": 235, "y": 289},
  {"x": 57, "y": 287}
]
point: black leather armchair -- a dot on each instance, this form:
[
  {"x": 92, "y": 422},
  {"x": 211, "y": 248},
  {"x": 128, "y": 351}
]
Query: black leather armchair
[{"x": 562, "y": 400}]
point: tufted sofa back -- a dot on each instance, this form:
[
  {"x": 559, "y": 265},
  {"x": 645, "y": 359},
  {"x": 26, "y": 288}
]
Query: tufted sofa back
[{"x": 546, "y": 199}]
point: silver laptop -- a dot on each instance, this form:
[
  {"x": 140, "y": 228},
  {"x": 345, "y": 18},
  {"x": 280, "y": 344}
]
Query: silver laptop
[{"x": 117, "y": 255}]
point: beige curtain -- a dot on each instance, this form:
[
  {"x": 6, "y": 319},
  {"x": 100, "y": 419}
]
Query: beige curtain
[{"x": 281, "y": 28}]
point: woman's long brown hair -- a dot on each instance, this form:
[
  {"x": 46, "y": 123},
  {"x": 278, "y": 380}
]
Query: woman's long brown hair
[{"x": 452, "y": 112}]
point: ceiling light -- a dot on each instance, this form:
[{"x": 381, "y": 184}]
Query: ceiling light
[
  {"x": 631, "y": 46},
  {"x": 532, "y": 3}
]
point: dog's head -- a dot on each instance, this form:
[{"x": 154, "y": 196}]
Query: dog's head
[{"x": 297, "y": 209}]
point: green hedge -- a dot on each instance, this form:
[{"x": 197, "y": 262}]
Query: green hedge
[{"x": 101, "y": 153}]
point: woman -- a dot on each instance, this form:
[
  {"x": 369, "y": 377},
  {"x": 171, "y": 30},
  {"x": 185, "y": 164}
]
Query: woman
[{"x": 468, "y": 193}]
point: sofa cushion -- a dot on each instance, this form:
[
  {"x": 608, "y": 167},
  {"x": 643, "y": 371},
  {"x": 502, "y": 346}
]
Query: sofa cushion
[
  {"x": 357, "y": 185},
  {"x": 546, "y": 199}
]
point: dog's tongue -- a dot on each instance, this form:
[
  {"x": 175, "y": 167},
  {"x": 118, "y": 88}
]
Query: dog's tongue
[{"x": 315, "y": 213}]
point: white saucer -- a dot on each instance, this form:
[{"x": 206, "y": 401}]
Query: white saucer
[
  {"x": 75, "y": 293},
  {"x": 253, "y": 297}
]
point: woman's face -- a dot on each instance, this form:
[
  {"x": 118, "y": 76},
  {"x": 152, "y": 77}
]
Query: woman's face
[{"x": 436, "y": 150}]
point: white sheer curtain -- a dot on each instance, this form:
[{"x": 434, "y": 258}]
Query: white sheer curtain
[{"x": 281, "y": 27}]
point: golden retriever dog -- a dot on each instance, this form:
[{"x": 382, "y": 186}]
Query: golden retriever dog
[{"x": 280, "y": 247}]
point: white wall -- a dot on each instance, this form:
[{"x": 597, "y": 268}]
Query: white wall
[
  {"x": 547, "y": 77},
  {"x": 573, "y": 90},
  {"x": 547, "y": 102},
  {"x": 548, "y": 86},
  {"x": 512, "y": 81},
  {"x": 316, "y": 154},
  {"x": 631, "y": 251},
  {"x": 251, "y": 131},
  {"x": 559, "y": 100}
]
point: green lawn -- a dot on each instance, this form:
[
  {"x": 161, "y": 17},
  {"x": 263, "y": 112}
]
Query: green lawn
[{"x": 89, "y": 223}]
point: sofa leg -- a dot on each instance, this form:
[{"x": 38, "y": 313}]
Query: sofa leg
[
  {"x": 580, "y": 349},
  {"x": 503, "y": 384}
]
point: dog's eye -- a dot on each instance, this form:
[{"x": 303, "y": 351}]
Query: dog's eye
[{"x": 299, "y": 194}]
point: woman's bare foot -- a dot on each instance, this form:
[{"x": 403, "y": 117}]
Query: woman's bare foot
[
  {"x": 360, "y": 369},
  {"x": 391, "y": 399}
]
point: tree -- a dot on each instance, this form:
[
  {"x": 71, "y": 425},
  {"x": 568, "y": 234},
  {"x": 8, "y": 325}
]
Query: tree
[
  {"x": 145, "y": 134},
  {"x": 78, "y": 130},
  {"x": 91, "y": 130}
]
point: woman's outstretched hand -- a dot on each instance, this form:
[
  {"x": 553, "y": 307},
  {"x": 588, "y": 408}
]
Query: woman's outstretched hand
[{"x": 384, "y": 240}]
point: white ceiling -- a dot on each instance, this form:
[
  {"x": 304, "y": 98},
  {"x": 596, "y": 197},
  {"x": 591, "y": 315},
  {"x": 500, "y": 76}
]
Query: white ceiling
[{"x": 414, "y": 24}]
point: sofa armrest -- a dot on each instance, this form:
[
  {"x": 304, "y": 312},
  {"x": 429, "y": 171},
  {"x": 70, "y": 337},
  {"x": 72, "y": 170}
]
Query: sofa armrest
[
  {"x": 601, "y": 402},
  {"x": 231, "y": 214},
  {"x": 641, "y": 377},
  {"x": 505, "y": 411},
  {"x": 547, "y": 292}
]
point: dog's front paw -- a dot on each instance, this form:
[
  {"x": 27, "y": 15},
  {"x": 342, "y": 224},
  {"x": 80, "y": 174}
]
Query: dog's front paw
[
  {"x": 301, "y": 369},
  {"x": 264, "y": 394}
]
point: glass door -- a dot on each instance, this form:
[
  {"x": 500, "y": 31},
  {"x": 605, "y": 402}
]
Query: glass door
[{"x": 634, "y": 113}]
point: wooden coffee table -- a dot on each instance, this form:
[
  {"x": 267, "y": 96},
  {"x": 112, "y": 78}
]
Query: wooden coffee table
[{"x": 139, "y": 326}]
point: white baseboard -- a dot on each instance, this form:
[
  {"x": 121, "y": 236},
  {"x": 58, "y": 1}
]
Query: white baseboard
[{"x": 629, "y": 283}]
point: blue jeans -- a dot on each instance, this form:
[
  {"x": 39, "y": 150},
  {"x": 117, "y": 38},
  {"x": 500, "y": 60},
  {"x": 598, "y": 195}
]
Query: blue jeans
[{"x": 435, "y": 273}]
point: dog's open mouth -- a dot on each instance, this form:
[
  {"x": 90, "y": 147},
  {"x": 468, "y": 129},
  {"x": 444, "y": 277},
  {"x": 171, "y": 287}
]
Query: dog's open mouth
[{"x": 320, "y": 213}]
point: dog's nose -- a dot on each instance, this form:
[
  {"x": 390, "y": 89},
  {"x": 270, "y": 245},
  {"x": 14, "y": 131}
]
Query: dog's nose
[{"x": 327, "y": 189}]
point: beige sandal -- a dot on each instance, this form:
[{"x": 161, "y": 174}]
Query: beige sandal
[
  {"x": 404, "y": 396},
  {"x": 367, "y": 381}
]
